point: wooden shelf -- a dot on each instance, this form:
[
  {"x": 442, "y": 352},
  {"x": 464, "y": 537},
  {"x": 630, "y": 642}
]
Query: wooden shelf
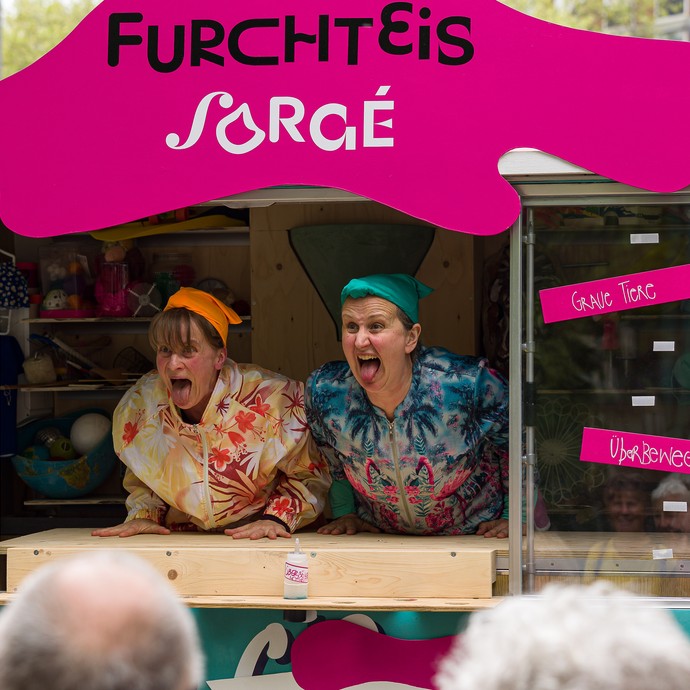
[
  {"x": 85, "y": 501},
  {"x": 112, "y": 320},
  {"x": 70, "y": 387}
]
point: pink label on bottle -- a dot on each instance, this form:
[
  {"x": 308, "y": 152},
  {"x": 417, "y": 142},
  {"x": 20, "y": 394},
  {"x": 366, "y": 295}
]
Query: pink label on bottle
[
  {"x": 296, "y": 573},
  {"x": 635, "y": 450}
]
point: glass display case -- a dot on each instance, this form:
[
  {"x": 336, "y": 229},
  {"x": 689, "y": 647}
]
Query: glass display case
[{"x": 621, "y": 514}]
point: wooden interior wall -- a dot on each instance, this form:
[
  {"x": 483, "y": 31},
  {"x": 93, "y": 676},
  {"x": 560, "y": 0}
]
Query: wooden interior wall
[
  {"x": 229, "y": 263},
  {"x": 292, "y": 331}
]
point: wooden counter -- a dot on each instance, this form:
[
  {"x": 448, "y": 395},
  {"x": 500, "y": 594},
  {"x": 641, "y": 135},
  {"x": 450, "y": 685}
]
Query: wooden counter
[
  {"x": 374, "y": 571},
  {"x": 363, "y": 571}
]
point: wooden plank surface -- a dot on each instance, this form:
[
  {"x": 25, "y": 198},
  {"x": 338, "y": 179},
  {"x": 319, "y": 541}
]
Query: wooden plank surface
[
  {"x": 328, "y": 603},
  {"x": 360, "y": 566},
  {"x": 81, "y": 537},
  {"x": 554, "y": 544}
]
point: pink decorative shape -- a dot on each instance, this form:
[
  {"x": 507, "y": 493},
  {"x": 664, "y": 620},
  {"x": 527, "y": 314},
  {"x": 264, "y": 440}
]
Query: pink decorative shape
[
  {"x": 86, "y": 144},
  {"x": 339, "y": 654},
  {"x": 615, "y": 294},
  {"x": 635, "y": 450}
]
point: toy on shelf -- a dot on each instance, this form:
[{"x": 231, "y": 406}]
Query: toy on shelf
[
  {"x": 62, "y": 449},
  {"x": 144, "y": 299},
  {"x": 88, "y": 431},
  {"x": 66, "y": 281},
  {"x": 55, "y": 300}
]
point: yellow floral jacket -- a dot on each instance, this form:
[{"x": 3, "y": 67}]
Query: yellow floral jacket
[{"x": 251, "y": 454}]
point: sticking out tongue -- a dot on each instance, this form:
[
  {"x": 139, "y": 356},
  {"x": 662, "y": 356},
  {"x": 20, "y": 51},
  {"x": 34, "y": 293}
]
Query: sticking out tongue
[
  {"x": 181, "y": 390},
  {"x": 368, "y": 369}
]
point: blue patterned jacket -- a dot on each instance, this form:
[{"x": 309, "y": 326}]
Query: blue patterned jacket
[{"x": 441, "y": 466}]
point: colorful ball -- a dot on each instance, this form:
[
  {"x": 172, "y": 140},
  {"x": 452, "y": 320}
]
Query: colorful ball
[
  {"x": 62, "y": 449},
  {"x": 36, "y": 453},
  {"x": 55, "y": 299},
  {"x": 47, "y": 436},
  {"x": 88, "y": 431}
]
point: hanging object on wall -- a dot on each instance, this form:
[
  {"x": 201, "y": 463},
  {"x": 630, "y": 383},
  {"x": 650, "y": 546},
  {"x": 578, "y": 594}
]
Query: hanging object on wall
[{"x": 332, "y": 255}]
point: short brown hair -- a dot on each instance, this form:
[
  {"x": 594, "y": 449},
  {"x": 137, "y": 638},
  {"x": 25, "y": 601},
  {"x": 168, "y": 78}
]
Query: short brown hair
[{"x": 174, "y": 326}]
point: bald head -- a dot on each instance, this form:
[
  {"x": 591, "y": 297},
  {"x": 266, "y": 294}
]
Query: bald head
[{"x": 103, "y": 620}]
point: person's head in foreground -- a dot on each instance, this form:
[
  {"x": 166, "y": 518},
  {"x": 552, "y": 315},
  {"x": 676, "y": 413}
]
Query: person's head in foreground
[
  {"x": 190, "y": 341},
  {"x": 569, "y": 638},
  {"x": 381, "y": 333},
  {"x": 98, "y": 621}
]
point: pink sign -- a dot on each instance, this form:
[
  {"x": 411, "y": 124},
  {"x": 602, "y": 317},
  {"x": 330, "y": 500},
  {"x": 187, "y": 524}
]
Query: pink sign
[
  {"x": 363, "y": 657},
  {"x": 635, "y": 450},
  {"x": 615, "y": 294},
  {"x": 154, "y": 105}
]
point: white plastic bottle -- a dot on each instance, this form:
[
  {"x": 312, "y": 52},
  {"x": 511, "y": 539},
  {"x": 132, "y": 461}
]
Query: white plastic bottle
[{"x": 296, "y": 574}]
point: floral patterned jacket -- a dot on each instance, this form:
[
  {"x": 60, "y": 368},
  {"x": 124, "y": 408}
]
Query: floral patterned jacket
[
  {"x": 441, "y": 466},
  {"x": 251, "y": 454}
]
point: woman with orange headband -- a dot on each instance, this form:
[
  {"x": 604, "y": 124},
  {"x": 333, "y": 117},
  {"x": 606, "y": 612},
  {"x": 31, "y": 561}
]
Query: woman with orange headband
[{"x": 211, "y": 444}]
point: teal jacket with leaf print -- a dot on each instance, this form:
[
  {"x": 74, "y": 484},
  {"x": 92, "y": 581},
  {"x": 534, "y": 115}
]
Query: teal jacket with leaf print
[{"x": 440, "y": 466}]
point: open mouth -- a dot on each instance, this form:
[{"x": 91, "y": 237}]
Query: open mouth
[
  {"x": 178, "y": 384},
  {"x": 368, "y": 367},
  {"x": 181, "y": 389}
]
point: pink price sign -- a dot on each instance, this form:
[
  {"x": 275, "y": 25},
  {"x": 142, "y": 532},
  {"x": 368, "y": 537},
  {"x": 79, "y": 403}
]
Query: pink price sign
[
  {"x": 615, "y": 294},
  {"x": 635, "y": 450}
]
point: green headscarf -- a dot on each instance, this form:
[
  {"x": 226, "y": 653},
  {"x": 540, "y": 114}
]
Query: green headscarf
[{"x": 402, "y": 290}]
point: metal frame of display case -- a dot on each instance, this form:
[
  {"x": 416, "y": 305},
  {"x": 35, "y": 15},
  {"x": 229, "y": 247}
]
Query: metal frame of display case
[{"x": 551, "y": 184}]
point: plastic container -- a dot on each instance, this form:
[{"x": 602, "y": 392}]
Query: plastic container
[
  {"x": 39, "y": 369},
  {"x": 296, "y": 581},
  {"x": 111, "y": 290},
  {"x": 171, "y": 271},
  {"x": 67, "y": 269}
]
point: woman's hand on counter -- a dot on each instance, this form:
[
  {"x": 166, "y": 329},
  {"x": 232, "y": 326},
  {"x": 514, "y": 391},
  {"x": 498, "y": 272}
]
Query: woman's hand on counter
[
  {"x": 129, "y": 529},
  {"x": 494, "y": 528},
  {"x": 347, "y": 524},
  {"x": 258, "y": 530}
]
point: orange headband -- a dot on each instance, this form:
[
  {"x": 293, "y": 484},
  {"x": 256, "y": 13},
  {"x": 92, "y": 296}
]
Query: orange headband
[{"x": 213, "y": 310}]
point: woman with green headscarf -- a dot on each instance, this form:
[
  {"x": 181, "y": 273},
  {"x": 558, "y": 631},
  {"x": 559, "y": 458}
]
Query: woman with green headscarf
[{"x": 416, "y": 437}]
